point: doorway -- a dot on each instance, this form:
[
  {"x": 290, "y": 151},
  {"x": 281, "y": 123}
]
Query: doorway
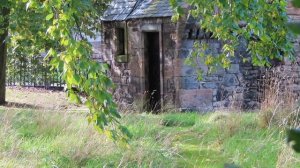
[{"x": 152, "y": 71}]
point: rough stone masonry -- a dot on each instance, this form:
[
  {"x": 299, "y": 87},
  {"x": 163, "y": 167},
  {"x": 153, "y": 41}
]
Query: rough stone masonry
[{"x": 127, "y": 27}]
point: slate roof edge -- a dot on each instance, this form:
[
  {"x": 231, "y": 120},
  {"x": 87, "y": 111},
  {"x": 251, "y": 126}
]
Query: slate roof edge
[
  {"x": 132, "y": 18},
  {"x": 134, "y": 8},
  {"x": 148, "y": 17},
  {"x": 121, "y": 20},
  {"x": 129, "y": 16}
]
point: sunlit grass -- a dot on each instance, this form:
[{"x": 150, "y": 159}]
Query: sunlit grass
[
  {"x": 63, "y": 138},
  {"x": 35, "y": 139}
]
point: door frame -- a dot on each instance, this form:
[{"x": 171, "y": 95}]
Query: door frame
[{"x": 146, "y": 28}]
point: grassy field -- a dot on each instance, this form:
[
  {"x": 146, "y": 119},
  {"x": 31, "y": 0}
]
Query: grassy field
[{"x": 60, "y": 137}]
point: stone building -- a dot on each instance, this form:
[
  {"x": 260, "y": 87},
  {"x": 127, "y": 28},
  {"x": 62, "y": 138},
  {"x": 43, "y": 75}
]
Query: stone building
[{"x": 146, "y": 53}]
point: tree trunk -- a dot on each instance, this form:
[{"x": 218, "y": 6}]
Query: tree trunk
[{"x": 4, "y": 11}]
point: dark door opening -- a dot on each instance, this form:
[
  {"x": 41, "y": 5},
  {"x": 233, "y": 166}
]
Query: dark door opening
[{"x": 152, "y": 71}]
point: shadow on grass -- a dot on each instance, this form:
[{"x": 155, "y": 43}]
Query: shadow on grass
[
  {"x": 21, "y": 105},
  {"x": 231, "y": 165}
]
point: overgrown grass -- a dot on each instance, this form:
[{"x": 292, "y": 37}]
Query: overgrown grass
[
  {"x": 32, "y": 138},
  {"x": 55, "y": 135},
  {"x": 179, "y": 119}
]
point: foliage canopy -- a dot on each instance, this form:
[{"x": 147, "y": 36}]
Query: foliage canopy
[
  {"x": 262, "y": 24},
  {"x": 60, "y": 28}
]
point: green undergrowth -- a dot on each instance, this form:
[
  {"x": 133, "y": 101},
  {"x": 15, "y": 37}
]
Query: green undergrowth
[
  {"x": 180, "y": 119},
  {"x": 30, "y": 138}
]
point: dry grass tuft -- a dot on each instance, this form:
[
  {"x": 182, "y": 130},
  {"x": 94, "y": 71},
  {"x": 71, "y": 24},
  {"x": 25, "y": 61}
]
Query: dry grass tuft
[
  {"x": 280, "y": 106},
  {"x": 228, "y": 124},
  {"x": 286, "y": 157}
]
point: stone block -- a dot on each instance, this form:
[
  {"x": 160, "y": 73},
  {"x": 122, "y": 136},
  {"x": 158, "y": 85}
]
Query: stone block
[
  {"x": 232, "y": 88},
  {"x": 215, "y": 91},
  {"x": 295, "y": 68},
  {"x": 210, "y": 78},
  {"x": 184, "y": 53},
  {"x": 178, "y": 63},
  {"x": 188, "y": 71},
  {"x": 215, "y": 45},
  {"x": 125, "y": 80},
  {"x": 170, "y": 85},
  {"x": 210, "y": 85},
  {"x": 168, "y": 40},
  {"x": 188, "y": 44},
  {"x": 150, "y": 27},
  {"x": 134, "y": 40},
  {"x": 251, "y": 105},
  {"x": 136, "y": 82},
  {"x": 170, "y": 53},
  {"x": 230, "y": 80},
  {"x": 189, "y": 82},
  {"x": 219, "y": 71},
  {"x": 221, "y": 104},
  {"x": 168, "y": 72},
  {"x": 295, "y": 87},
  {"x": 200, "y": 99},
  {"x": 169, "y": 27},
  {"x": 235, "y": 68},
  {"x": 223, "y": 94},
  {"x": 252, "y": 95}
]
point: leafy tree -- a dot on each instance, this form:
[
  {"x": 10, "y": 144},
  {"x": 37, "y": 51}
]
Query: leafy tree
[
  {"x": 59, "y": 28},
  {"x": 65, "y": 24},
  {"x": 4, "y": 11},
  {"x": 262, "y": 23}
]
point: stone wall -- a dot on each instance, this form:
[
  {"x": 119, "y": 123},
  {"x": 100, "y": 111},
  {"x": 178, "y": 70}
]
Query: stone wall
[
  {"x": 130, "y": 76},
  {"x": 294, "y": 13},
  {"x": 242, "y": 86},
  {"x": 224, "y": 89},
  {"x": 285, "y": 77},
  {"x": 283, "y": 81},
  {"x": 235, "y": 88}
]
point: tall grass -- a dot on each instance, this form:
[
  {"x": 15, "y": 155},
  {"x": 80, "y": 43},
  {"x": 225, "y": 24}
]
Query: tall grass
[
  {"x": 60, "y": 139},
  {"x": 280, "y": 106},
  {"x": 38, "y": 138},
  {"x": 42, "y": 139}
]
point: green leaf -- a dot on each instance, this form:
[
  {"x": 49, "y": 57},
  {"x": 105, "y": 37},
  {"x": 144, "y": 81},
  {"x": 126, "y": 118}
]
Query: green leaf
[
  {"x": 125, "y": 131},
  {"x": 74, "y": 97},
  {"x": 296, "y": 3},
  {"x": 39, "y": 26},
  {"x": 49, "y": 16},
  {"x": 115, "y": 113},
  {"x": 294, "y": 27}
]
